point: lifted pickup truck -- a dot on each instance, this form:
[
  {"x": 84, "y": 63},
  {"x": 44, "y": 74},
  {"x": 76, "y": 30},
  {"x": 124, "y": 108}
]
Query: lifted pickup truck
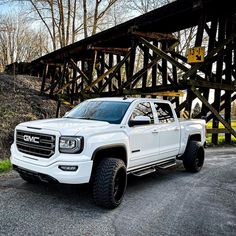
[{"x": 103, "y": 140}]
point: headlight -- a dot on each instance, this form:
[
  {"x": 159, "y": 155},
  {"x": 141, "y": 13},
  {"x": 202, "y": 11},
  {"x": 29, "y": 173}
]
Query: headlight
[{"x": 71, "y": 144}]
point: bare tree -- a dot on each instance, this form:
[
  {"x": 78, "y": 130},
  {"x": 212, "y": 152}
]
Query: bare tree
[
  {"x": 85, "y": 18},
  {"x": 59, "y": 18},
  {"x": 98, "y": 14},
  {"x": 115, "y": 15},
  {"x": 144, "y": 6},
  {"x": 18, "y": 42},
  {"x": 63, "y": 21}
]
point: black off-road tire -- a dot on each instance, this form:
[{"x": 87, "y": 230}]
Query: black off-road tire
[
  {"x": 193, "y": 158},
  {"x": 109, "y": 183}
]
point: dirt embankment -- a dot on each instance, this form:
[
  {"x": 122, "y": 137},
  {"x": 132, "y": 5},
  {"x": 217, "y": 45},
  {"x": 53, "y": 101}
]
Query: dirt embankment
[{"x": 20, "y": 101}]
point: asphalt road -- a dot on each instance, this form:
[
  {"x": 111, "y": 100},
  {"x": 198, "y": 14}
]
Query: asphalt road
[{"x": 169, "y": 202}]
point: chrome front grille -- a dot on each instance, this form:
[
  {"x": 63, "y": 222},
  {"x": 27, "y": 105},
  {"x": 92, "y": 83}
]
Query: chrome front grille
[{"x": 36, "y": 144}]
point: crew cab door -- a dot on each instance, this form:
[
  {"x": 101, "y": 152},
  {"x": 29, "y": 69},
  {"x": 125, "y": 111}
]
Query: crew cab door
[
  {"x": 144, "y": 140},
  {"x": 169, "y": 130}
]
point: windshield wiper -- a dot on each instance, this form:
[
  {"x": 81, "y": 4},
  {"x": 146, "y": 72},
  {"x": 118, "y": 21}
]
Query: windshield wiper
[
  {"x": 88, "y": 118},
  {"x": 69, "y": 117},
  {"x": 84, "y": 118}
]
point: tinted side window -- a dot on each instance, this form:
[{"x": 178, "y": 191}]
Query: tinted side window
[
  {"x": 164, "y": 113},
  {"x": 143, "y": 109}
]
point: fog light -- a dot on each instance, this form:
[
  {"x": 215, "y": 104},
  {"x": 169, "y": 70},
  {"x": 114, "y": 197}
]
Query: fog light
[{"x": 68, "y": 168}]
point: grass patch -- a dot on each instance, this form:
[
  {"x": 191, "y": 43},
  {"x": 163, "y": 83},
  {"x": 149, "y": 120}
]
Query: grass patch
[
  {"x": 221, "y": 137},
  {"x": 5, "y": 165},
  {"x": 221, "y": 126}
]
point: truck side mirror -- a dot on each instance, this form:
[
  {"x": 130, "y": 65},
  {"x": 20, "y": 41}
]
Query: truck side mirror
[{"x": 140, "y": 120}]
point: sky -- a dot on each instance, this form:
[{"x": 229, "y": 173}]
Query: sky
[{"x": 8, "y": 7}]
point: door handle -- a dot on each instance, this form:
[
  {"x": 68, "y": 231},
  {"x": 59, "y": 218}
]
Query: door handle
[
  {"x": 155, "y": 131},
  {"x": 176, "y": 129}
]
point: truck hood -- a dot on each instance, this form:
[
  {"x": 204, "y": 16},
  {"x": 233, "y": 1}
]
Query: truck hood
[{"x": 66, "y": 126}]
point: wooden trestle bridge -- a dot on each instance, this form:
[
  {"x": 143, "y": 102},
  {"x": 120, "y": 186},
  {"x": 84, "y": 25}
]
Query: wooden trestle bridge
[{"x": 107, "y": 64}]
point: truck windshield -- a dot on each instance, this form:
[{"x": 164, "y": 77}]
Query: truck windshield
[{"x": 110, "y": 111}]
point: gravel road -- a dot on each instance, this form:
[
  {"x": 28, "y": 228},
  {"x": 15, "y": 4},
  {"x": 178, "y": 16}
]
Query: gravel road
[{"x": 170, "y": 202}]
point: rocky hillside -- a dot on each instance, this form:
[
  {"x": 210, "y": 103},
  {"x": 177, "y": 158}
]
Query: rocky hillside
[{"x": 20, "y": 101}]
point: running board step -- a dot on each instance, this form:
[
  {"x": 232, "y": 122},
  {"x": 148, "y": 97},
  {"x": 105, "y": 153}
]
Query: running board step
[
  {"x": 153, "y": 168},
  {"x": 143, "y": 172},
  {"x": 167, "y": 164}
]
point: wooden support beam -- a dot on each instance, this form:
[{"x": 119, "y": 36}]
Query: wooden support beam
[
  {"x": 110, "y": 66},
  {"x": 228, "y": 79},
  {"x": 52, "y": 86},
  {"x": 170, "y": 94},
  {"x": 157, "y": 36},
  {"x": 67, "y": 79},
  {"x": 130, "y": 65},
  {"x": 54, "y": 82},
  {"x": 200, "y": 29},
  {"x": 175, "y": 81},
  {"x": 74, "y": 65},
  {"x": 222, "y": 99},
  {"x": 181, "y": 107},
  {"x": 210, "y": 85},
  {"x": 217, "y": 131},
  {"x": 53, "y": 64},
  {"x": 61, "y": 82},
  {"x": 118, "y": 73},
  {"x": 196, "y": 67},
  {"x": 198, "y": 43},
  {"x": 199, "y": 83},
  {"x": 150, "y": 90},
  {"x": 167, "y": 57},
  {"x": 45, "y": 71},
  {"x": 164, "y": 55},
  {"x": 207, "y": 29},
  {"x": 203, "y": 68},
  {"x": 136, "y": 77},
  {"x": 164, "y": 68},
  {"x": 222, "y": 107},
  {"x": 102, "y": 69},
  {"x": 145, "y": 63},
  {"x": 116, "y": 51},
  {"x": 142, "y": 47},
  {"x": 218, "y": 79},
  {"x": 175, "y": 54},
  {"x": 160, "y": 68},
  {"x": 95, "y": 60},
  {"x": 118, "y": 66},
  {"x": 208, "y": 76},
  {"x": 154, "y": 68},
  {"x": 74, "y": 79},
  {"x": 99, "y": 79},
  {"x": 82, "y": 84},
  {"x": 67, "y": 85},
  {"x": 212, "y": 109},
  {"x": 183, "y": 104},
  {"x": 137, "y": 91},
  {"x": 56, "y": 78},
  {"x": 91, "y": 65}
]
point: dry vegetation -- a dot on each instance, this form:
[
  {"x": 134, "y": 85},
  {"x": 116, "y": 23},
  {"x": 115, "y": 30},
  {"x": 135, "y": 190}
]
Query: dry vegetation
[{"x": 20, "y": 101}]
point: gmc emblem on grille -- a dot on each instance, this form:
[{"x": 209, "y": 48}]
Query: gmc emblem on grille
[{"x": 32, "y": 139}]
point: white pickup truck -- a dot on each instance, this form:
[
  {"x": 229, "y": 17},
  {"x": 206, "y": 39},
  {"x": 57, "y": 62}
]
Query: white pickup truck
[{"x": 103, "y": 140}]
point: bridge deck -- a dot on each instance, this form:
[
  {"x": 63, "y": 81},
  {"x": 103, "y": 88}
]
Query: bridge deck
[{"x": 170, "y": 18}]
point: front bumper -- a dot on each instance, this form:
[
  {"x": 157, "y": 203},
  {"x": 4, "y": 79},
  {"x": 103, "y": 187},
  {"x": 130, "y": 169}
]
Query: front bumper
[{"x": 80, "y": 176}]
